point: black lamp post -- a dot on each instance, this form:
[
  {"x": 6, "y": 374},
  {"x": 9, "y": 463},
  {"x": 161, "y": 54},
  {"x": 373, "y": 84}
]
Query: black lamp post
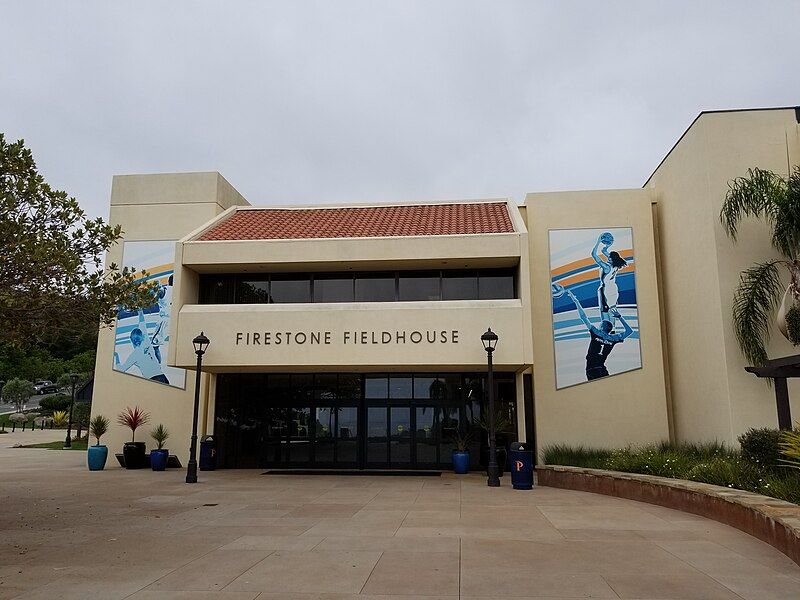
[
  {"x": 201, "y": 342},
  {"x": 73, "y": 377},
  {"x": 489, "y": 340}
]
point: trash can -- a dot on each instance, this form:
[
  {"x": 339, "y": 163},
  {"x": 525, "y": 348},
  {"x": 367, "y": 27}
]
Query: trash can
[
  {"x": 521, "y": 460},
  {"x": 208, "y": 453}
]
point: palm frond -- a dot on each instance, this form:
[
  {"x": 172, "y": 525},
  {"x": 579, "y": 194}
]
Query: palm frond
[
  {"x": 790, "y": 448},
  {"x": 754, "y": 303},
  {"x": 758, "y": 194},
  {"x": 786, "y": 227}
]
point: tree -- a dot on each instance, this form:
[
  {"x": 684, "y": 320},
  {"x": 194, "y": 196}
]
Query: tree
[
  {"x": 17, "y": 392},
  {"x": 81, "y": 414},
  {"x": 65, "y": 382},
  {"x": 52, "y": 283},
  {"x": 765, "y": 195}
]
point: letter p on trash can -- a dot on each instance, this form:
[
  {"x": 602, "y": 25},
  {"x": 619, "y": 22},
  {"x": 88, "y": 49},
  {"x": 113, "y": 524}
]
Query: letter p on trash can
[
  {"x": 208, "y": 453},
  {"x": 521, "y": 466}
]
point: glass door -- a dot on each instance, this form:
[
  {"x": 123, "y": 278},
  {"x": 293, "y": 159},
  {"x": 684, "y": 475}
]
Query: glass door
[
  {"x": 400, "y": 433},
  {"x": 426, "y": 436},
  {"x": 347, "y": 436},
  {"x": 377, "y": 442}
]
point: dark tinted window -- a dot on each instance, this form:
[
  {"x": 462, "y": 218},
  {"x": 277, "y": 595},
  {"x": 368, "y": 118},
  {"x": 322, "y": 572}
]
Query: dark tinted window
[
  {"x": 290, "y": 288},
  {"x": 217, "y": 289},
  {"x": 495, "y": 285},
  {"x": 252, "y": 290},
  {"x": 459, "y": 285},
  {"x": 423, "y": 286},
  {"x": 302, "y": 386},
  {"x": 333, "y": 288},
  {"x": 422, "y": 386},
  {"x": 375, "y": 288},
  {"x": 325, "y": 385},
  {"x": 376, "y": 386},
  {"x": 400, "y": 386},
  {"x": 349, "y": 386}
]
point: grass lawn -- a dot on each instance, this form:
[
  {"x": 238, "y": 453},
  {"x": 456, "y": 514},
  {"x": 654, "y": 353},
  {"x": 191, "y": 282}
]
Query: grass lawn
[{"x": 59, "y": 445}]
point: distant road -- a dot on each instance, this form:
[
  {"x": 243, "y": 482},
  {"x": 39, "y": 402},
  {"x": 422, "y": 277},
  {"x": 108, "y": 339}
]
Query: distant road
[{"x": 32, "y": 403}]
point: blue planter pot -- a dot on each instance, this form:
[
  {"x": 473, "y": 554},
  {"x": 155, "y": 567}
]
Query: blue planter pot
[
  {"x": 96, "y": 457},
  {"x": 158, "y": 459},
  {"x": 460, "y": 462}
]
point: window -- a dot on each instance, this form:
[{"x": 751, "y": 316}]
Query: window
[
  {"x": 333, "y": 288},
  {"x": 495, "y": 285},
  {"x": 217, "y": 289},
  {"x": 408, "y": 286},
  {"x": 400, "y": 386},
  {"x": 349, "y": 386},
  {"x": 286, "y": 289},
  {"x": 459, "y": 285},
  {"x": 375, "y": 288},
  {"x": 376, "y": 386},
  {"x": 252, "y": 290},
  {"x": 421, "y": 286},
  {"x": 423, "y": 384},
  {"x": 325, "y": 385}
]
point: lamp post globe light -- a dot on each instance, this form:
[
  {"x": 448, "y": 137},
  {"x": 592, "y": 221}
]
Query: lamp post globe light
[
  {"x": 200, "y": 343},
  {"x": 489, "y": 340},
  {"x": 73, "y": 377}
]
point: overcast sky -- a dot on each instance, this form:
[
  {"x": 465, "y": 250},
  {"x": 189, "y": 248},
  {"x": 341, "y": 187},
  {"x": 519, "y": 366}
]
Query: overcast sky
[{"x": 314, "y": 102}]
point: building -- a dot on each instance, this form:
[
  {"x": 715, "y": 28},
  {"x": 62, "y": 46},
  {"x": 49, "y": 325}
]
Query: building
[{"x": 349, "y": 336}]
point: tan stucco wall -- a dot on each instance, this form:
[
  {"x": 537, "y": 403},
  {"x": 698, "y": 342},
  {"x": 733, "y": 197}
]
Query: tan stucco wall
[
  {"x": 364, "y": 324},
  {"x": 623, "y": 409},
  {"x": 153, "y": 207},
  {"x": 713, "y": 398}
]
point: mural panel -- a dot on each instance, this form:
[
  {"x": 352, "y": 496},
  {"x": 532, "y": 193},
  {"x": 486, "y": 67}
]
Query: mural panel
[
  {"x": 142, "y": 337},
  {"x": 595, "y": 314}
]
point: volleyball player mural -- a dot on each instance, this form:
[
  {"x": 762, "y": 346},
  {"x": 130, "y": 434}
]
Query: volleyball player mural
[
  {"x": 595, "y": 314},
  {"x": 142, "y": 337}
]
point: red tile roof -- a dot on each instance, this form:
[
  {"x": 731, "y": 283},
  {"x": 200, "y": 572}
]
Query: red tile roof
[{"x": 373, "y": 221}]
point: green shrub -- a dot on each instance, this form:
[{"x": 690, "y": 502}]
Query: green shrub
[
  {"x": 785, "y": 486},
  {"x": 588, "y": 458},
  {"x": 54, "y": 403},
  {"x": 661, "y": 460},
  {"x": 727, "y": 472},
  {"x": 712, "y": 463},
  {"x": 706, "y": 450},
  {"x": 761, "y": 446}
]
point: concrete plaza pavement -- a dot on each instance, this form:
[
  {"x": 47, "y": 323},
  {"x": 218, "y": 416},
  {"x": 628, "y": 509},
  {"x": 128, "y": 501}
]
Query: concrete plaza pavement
[{"x": 66, "y": 532}]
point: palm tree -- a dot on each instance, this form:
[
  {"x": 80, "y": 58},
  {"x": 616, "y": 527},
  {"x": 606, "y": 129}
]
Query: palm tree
[{"x": 775, "y": 199}]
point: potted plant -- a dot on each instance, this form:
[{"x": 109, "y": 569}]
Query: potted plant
[
  {"x": 96, "y": 455},
  {"x": 133, "y": 452},
  {"x": 461, "y": 451},
  {"x": 159, "y": 456},
  {"x": 502, "y": 425}
]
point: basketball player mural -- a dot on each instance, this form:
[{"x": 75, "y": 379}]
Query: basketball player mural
[{"x": 602, "y": 337}]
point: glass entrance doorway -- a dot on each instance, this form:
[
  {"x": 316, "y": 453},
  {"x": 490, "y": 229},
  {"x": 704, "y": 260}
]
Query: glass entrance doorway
[{"x": 347, "y": 420}]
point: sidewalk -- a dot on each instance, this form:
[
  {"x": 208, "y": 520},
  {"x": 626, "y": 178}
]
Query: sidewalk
[
  {"x": 27, "y": 437},
  {"x": 239, "y": 535}
]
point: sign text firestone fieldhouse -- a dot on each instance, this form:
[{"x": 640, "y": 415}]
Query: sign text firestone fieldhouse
[{"x": 279, "y": 338}]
